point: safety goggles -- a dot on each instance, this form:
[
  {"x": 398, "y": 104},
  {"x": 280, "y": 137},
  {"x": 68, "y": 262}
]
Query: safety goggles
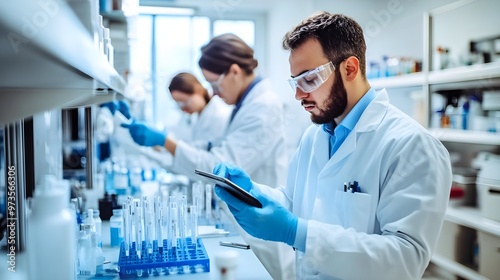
[
  {"x": 312, "y": 79},
  {"x": 216, "y": 85}
]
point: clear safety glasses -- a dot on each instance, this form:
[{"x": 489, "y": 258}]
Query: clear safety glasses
[
  {"x": 312, "y": 79},
  {"x": 216, "y": 85}
]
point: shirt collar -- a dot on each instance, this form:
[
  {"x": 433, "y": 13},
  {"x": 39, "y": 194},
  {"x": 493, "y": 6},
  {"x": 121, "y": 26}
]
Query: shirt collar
[
  {"x": 238, "y": 104},
  {"x": 249, "y": 88},
  {"x": 350, "y": 121}
]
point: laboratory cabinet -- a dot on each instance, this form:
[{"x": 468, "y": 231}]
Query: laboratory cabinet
[
  {"x": 51, "y": 58},
  {"x": 459, "y": 104}
]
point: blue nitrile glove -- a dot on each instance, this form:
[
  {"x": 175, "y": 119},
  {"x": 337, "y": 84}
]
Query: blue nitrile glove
[
  {"x": 112, "y": 106},
  {"x": 124, "y": 108},
  {"x": 120, "y": 106},
  {"x": 144, "y": 135},
  {"x": 234, "y": 173},
  {"x": 271, "y": 222}
]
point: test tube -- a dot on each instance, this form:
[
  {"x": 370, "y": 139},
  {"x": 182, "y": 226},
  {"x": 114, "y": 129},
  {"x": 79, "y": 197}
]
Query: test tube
[
  {"x": 138, "y": 226},
  {"x": 132, "y": 218},
  {"x": 166, "y": 219},
  {"x": 158, "y": 221},
  {"x": 173, "y": 223},
  {"x": 126, "y": 232},
  {"x": 147, "y": 215},
  {"x": 182, "y": 222},
  {"x": 194, "y": 224},
  {"x": 198, "y": 194},
  {"x": 208, "y": 202}
]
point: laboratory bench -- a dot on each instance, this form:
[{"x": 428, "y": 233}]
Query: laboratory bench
[{"x": 249, "y": 266}]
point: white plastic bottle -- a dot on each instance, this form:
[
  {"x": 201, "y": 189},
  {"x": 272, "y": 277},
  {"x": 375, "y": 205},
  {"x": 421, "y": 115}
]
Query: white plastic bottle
[{"x": 51, "y": 232}]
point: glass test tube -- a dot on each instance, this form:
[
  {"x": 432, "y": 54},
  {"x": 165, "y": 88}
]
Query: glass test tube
[
  {"x": 173, "y": 222},
  {"x": 132, "y": 218},
  {"x": 166, "y": 218},
  {"x": 198, "y": 190},
  {"x": 158, "y": 221},
  {"x": 125, "y": 224},
  {"x": 147, "y": 215},
  {"x": 194, "y": 224},
  {"x": 138, "y": 226},
  {"x": 182, "y": 221},
  {"x": 208, "y": 202}
]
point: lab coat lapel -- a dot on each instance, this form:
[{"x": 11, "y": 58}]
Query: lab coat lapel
[
  {"x": 347, "y": 147},
  {"x": 369, "y": 121},
  {"x": 321, "y": 148}
]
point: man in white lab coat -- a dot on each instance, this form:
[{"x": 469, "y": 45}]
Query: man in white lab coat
[
  {"x": 368, "y": 186},
  {"x": 254, "y": 139}
]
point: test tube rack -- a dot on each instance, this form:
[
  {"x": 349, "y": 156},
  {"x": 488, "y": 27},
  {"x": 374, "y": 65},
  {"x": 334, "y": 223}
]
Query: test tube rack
[{"x": 185, "y": 258}]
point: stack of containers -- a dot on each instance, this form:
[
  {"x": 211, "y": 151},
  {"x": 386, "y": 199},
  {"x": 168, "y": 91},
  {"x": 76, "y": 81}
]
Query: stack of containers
[{"x": 488, "y": 185}]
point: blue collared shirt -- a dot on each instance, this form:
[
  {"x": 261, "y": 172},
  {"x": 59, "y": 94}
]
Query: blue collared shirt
[{"x": 338, "y": 134}]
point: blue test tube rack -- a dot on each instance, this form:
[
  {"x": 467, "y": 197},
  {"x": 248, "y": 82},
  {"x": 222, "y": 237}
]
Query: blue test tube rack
[{"x": 186, "y": 258}]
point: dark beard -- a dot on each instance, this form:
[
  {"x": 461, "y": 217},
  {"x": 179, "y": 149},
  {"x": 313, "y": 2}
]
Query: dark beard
[{"x": 335, "y": 104}]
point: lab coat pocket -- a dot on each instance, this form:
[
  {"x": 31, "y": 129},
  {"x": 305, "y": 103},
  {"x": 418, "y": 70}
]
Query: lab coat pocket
[{"x": 354, "y": 209}]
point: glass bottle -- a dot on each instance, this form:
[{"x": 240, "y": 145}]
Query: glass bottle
[
  {"x": 115, "y": 228},
  {"x": 98, "y": 226}
]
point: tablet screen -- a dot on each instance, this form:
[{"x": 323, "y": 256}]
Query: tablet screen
[{"x": 231, "y": 187}]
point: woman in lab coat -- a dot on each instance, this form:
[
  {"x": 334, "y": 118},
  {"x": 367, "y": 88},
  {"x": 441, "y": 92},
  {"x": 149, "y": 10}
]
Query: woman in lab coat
[
  {"x": 255, "y": 136},
  {"x": 194, "y": 99},
  {"x": 386, "y": 224}
]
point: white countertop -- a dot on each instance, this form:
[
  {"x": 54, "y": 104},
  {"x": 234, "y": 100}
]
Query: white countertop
[{"x": 249, "y": 267}]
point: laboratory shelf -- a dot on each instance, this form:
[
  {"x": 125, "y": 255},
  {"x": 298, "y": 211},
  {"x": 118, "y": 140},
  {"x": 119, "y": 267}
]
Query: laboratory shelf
[
  {"x": 115, "y": 16},
  {"x": 466, "y": 136},
  {"x": 48, "y": 59},
  {"x": 456, "y": 268},
  {"x": 471, "y": 217},
  {"x": 408, "y": 80},
  {"x": 465, "y": 73}
]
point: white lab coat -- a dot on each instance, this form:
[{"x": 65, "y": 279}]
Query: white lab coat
[
  {"x": 212, "y": 123},
  {"x": 390, "y": 229},
  {"x": 208, "y": 126},
  {"x": 255, "y": 141}
]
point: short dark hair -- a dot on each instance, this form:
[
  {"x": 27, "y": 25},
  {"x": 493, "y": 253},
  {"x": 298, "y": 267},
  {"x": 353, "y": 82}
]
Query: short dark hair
[
  {"x": 223, "y": 51},
  {"x": 340, "y": 37},
  {"x": 187, "y": 83}
]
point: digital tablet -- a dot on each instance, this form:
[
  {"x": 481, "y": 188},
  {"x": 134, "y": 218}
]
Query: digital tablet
[{"x": 232, "y": 188}]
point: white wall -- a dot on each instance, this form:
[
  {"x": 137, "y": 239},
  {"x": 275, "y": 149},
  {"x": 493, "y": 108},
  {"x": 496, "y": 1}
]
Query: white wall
[
  {"x": 454, "y": 29},
  {"x": 282, "y": 18},
  {"x": 395, "y": 27},
  {"x": 392, "y": 27}
]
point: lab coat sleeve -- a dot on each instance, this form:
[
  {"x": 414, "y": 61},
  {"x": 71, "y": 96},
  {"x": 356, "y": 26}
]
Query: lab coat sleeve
[
  {"x": 274, "y": 193},
  {"x": 249, "y": 144},
  {"x": 413, "y": 199}
]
